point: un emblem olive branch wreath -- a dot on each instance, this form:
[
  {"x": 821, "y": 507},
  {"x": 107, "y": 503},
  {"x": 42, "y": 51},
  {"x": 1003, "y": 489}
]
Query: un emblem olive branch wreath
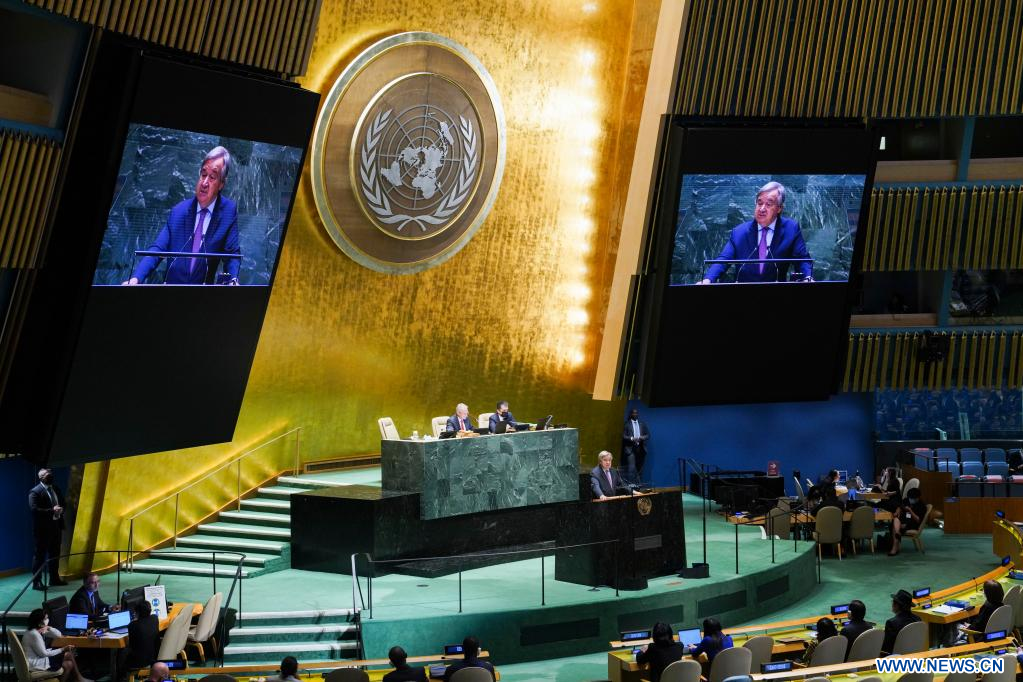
[{"x": 376, "y": 197}]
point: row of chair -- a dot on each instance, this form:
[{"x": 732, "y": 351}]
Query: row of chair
[
  {"x": 359, "y": 675},
  {"x": 960, "y": 455},
  {"x": 388, "y": 431},
  {"x": 828, "y": 527}
]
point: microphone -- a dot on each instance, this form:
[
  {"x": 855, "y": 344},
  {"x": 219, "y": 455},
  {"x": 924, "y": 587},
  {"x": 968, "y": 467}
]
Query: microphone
[
  {"x": 742, "y": 265},
  {"x": 191, "y": 237}
]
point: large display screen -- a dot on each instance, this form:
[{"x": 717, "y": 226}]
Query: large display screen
[
  {"x": 779, "y": 204},
  {"x": 224, "y": 199},
  {"x": 757, "y": 228}
]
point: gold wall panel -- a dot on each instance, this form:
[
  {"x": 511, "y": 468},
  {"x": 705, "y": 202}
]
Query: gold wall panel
[
  {"x": 274, "y": 35},
  {"x": 28, "y": 166},
  {"x": 880, "y": 360},
  {"x": 514, "y": 315},
  {"x": 945, "y": 228},
  {"x": 903, "y": 58}
]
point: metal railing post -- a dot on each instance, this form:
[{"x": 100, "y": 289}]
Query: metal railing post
[
  {"x": 131, "y": 543},
  {"x": 459, "y": 587},
  {"x": 177, "y": 504},
  {"x": 214, "y": 572},
  {"x": 543, "y": 595},
  {"x": 298, "y": 451},
  {"x": 369, "y": 591},
  {"x": 239, "y": 484}
]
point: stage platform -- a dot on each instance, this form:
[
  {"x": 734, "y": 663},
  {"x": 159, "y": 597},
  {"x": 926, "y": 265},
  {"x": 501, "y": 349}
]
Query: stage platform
[{"x": 502, "y": 604}]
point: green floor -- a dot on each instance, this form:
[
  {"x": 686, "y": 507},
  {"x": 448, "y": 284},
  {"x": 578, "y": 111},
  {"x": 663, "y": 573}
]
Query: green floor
[{"x": 871, "y": 578}]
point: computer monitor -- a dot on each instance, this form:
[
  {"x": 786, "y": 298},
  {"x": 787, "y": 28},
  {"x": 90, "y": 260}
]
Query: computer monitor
[
  {"x": 690, "y": 637},
  {"x": 118, "y": 619},
  {"x": 131, "y": 597},
  {"x": 76, "y": 621}
]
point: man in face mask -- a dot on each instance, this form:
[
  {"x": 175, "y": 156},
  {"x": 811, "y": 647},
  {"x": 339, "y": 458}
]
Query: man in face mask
[
  {"x": 47, "y": 505},
  {"x": 909, "y": 516}
]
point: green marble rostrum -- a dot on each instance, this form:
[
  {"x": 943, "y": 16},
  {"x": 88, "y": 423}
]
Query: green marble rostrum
[{"x": 468, "y": 475}]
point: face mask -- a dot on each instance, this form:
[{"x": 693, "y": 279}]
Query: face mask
[{"x": 46, "y": 621}]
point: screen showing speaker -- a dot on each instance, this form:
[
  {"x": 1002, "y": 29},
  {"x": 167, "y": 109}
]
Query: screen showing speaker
[
  {"x": 184, "y": 192},
  {"x": 779, "y": 204},
  {"x": 755, "y": 228}
]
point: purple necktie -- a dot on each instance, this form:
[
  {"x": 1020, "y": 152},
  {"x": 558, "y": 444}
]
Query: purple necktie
[
  {"x": 763, "y": 247},
  {"x": 197, "y": 238},
  {"x": 607, "y": 472}
]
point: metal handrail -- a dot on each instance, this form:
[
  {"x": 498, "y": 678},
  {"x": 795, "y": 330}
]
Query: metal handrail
[{"x": 176, "y": 495}]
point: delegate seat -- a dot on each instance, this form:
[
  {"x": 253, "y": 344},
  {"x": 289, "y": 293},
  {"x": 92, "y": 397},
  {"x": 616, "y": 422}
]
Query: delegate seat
[
  {"x": 997, "y": 469},
  {"x": 388, "y": 431},
  {"x": 861, "y": 527},
  {"x": 729, "y": 663},
  {"x": 352, "y": 675},
  {"x": 914, "y": 535},
  {"x": 438, "y": 424},
  {"x": 969, "y": 481},
  {"x": 867, "y": 646},
  {"x": 911, "y": 639},
  {"x": 994, "y": 455},
  {"x": 24, "y": 673},
  {"x": 950, "y": 454},
  {"x": 829, "y": 652},
  {"x": 761, "y": 648},
  {"x": 970, "y": 455},
  {"x": 484, "y": 419},
  {"x": 682, "y": 671},
  {"x": 1008, "y": 673},
  {"x": 828, "y": 529},
  {"x": 1001, "y": 619},
  {"x": 910, "y": 484},
  {"x": 951, "y": 467}
]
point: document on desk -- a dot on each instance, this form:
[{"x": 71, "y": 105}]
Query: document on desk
[{"x": 945, "y": 610}]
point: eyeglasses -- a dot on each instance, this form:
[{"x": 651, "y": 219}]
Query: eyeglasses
[{"x": 769, "y": 203}]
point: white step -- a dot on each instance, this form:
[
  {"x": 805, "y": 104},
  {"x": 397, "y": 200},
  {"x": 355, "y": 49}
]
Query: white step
[
  {"x": 288, "y": 647},
  {"x": 150, "y": 566},
  {"x": 282, "y": 491},
  {"x": 268, "y": 615},
  {"x": 310, "y": 482},
  {"x": 259, "y": 630},
  {"x": 221, "y": 542},
  {"x": 261, "y": 504},
  {"x": 235, "y": 529},
  {"x": 254, "y": 517}
]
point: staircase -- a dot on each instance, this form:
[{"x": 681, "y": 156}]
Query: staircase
[
  {"x": 310, "y": 636},
  {"x": 261, "y": 529}
]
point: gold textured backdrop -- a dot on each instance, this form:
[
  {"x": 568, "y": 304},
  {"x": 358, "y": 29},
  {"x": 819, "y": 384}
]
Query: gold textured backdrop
[{"x": 515, "y": 315}]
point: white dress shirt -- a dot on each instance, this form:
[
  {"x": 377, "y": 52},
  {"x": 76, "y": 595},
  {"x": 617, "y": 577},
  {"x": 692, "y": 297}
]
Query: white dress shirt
[
  {"x": 36, "y": 651},
  {"x": 770, "y": 232},
  {"x": 635, "y": 429}
]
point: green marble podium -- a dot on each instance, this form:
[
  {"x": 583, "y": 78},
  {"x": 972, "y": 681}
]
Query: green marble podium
[{"x": 459, "y": 476}]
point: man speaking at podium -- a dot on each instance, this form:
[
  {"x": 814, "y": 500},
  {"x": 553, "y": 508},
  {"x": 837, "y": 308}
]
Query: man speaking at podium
[
  {"x": 766, "y": 237},
  {"x": 605, "y": 481},
  {"x": 206, "y": 223}
]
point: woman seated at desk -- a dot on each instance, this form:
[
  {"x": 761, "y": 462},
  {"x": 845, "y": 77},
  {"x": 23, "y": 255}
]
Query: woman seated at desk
[
  {"x": 714, "y": 641},
  {"x": 41, "y": 657},
  {"x": 825, "y": 628},
  {"x": 662, "y": 652}
]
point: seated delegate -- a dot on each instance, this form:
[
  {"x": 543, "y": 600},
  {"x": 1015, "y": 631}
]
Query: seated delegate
[
  {"x": 403, "y": 672},
  {"x": 470, "y": 653},
  {"x": 714, "y": 640},
  {"x": 662, "y": 652},
  {"x": 87, "y": 599},
  {"x": 460, "y": 420},
  {"x": 605, "y": 481},
  {"x": 40, "y": 656},
  {"x": 503, "y": 414}
]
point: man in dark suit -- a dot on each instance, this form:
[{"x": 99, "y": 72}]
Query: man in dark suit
[
  {"x": 403, "y": 672},
  {"x": 86, "y": 599},
  {"x": 767, "y": 236},
  {"x": 205, "y": 223},
  {"x": 634, "y": 438},
  {"x": 902, "y": 603},
  {"x": 471, "y": 652},
  {"x": 47, "y": 505},
  {"x": 460, "y": 420},
  {"x": 143, "y": 639},
  {"x": 503, "y": 414},
  {"x": 857, "y": 624},
  {"x": 604, "y": 478}
]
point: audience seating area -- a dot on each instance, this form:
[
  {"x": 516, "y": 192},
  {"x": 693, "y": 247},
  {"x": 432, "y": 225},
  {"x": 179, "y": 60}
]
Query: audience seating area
[{"x": 975, "y": 472}]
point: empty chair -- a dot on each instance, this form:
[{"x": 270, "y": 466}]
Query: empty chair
[
  {"x": 25, "y": 674},
  {"x": 923, "y": 458},
  {"x": 761, "y": 647},
  {"x": 388, "y": 431},
  {"x": 861, "y": 527},
  {"x": 202, "y": 632},
  {"x": 910, "y": 484},
  {"x": 872, "y": 678},
  {"x": 960, "y": 677},
  {"x": 830, "y": 651},
  {"x": 917, "y": 677},
  {"x": 969, "y": 481},
  {"x": 779, "y": 524},
  {"x": 729, "y": 663},
  {"x": 176, "y": 636},
  {"x": 970, "y": 455},
  {"x": 439, "y": 424},
  {"x": 218, "y": 677},
  {"x": 471, "y": 675},
  {"x": 911, "y": 639},
  {"x": 816, "y": 679},
  {"x": 997, "y": 469},
  {"x": 950, "y": 467},
  {"x": 1015, "y": 600},
  {"x": 1008, "y": 673},
  {"x": 828, "y": 529},
  {"x": 484, "y": 419},
  {"x": 950, "y": 454},
  {"x": 867, "y": 646},
  {"x": 994, "y": 455},
  {"x": 915, "y": 535},
  {"x": 682, "y": 671},
  {"x": 356, "y": 675}
]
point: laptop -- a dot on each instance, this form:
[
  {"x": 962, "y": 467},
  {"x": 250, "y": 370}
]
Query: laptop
[
  {"x": 501, "y": 427},
  {"x": 117, "y": 621},
  {"x": 690, "y": 637},
  {"x": 76, "y": 623},
  {"x": 448, "y": 434}
]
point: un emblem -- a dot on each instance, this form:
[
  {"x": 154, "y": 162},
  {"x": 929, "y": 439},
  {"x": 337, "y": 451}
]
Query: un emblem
[{"x": 420, "y": 123}]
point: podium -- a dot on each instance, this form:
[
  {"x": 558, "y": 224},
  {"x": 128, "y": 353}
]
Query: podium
[
  {"x": 651, "y": 538},
  {"x": 779, "y": 266}
]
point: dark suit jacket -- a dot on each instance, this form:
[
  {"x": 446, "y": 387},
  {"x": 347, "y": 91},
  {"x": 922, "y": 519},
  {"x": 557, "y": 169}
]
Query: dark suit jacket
[
  {"x": 660, "y": 656},
  {"x": 406, "y": 674},
  {"x": 598, "y": 482},
  {"x": 742, "y": 244},
  {"x": 176, "y": 235},
  {"x": 143, "y": 641},
  {"x": 452, "y": 424},
  {"x": 494, "y": 419},
  {"x": 892, "y": 627},
  {"x": 41, "y": 505},
  {"x": 79, "y": 603},
  {"x": 644, "y": 436},
  {"x": 853, "y": 630},
  {"x": 477, "y": 663},
  {"x": 979, "y": 622}
]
